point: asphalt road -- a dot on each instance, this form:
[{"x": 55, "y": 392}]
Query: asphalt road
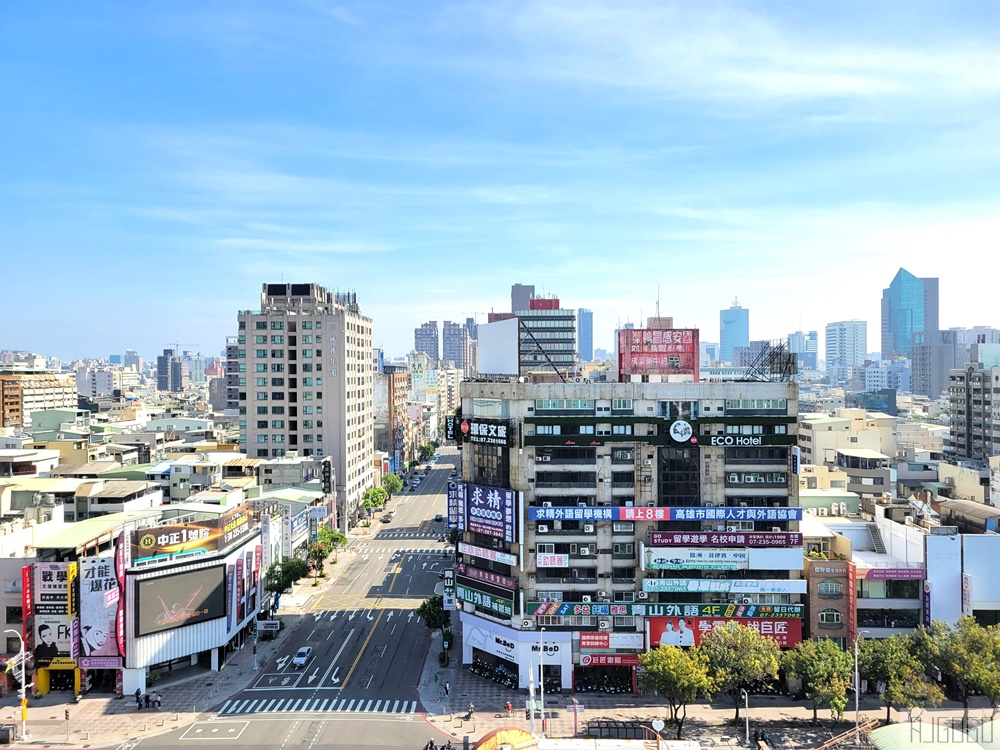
[{"x": 359, "y": 689}]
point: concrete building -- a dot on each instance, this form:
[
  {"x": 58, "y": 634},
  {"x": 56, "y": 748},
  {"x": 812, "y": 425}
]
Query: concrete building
[
  {"x": 974, "y": 407},
  {"x": 21, "y": 394},
  {"x": 308, "y": 366},
  {"x": 96, "y": 381},
  {"x": 521, "y": 296},
  {"x": 806, "y": 347},
  {"x": 934, "y": 355},
  {"x": 585, "y": 334},
  {"x": 885, "y": 374},
  {"x": 820, "y": 436},
  {"x": 846, "y": 349},
  {"x": 621, "y": 515},
  {"x": 427, "y": 340},
  {"x": 909, "y": 308},
  {"x": 458, "y": 348},
  {"x": 547, "y": 339},
  {"x": 172, "y": 373},
  {"x": 734, "y": 331}
]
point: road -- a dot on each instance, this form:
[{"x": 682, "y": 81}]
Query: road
[{"x": 359, "y": 688}]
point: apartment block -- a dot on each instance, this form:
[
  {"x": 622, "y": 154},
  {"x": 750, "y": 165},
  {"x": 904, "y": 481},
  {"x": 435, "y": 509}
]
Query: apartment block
[{"x": 24, "y": 393}]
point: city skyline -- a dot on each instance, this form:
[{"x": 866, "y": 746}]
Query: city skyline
[{"x": 622, "y": 156}]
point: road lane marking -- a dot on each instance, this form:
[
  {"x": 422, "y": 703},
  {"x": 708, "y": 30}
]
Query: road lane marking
[{"x": 361, "y": 651}]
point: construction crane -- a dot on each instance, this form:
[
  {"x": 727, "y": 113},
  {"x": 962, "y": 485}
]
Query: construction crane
[{"x": 177, "y": 345}]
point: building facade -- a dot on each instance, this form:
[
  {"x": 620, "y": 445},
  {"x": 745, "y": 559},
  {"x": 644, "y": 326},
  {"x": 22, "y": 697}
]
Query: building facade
[
  {"x": 846, "y": 349},
  {"x": 806, "y": 347},
  {"x": 458, "y": 347},
  {"x": 909, "y": 308},
  {"x": 306, "y": 357},
  {"x": 585, "y": 334},
  {"x": 618, "y": 516},
  {"x": 22, "y": 394},
  {"x": 974, "y": 408},
  {"x": 547, "y": 339},
  {"x": 734, "y": 330},
  {"x": 172, "y": 373},
  {"x": 427, "y": 340}
]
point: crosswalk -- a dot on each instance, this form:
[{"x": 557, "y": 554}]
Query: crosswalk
[
  {"x": 363, "y": 549},
  {"x": 407, "y": 534},
  {"x": 317, "y": 705}
]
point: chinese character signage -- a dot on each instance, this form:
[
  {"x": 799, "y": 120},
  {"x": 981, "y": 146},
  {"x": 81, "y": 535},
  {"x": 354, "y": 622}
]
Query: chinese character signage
[
  {"x": 551, "y": 560},
  {"x": 52, "y": 588},
  {"x": 638, "y": 609},
  {"x": 456, "y": 505},
  {"x": 482, "y": 600},
  {"x": 852, "y": 603},
  {"x": 486, "y": 576},
  {"x": 595, "y": 640},
  {"x": 609, "y": 660},
  {"x": 895, "y": 574},
  {"x": 491, "y": 511},
  {"x": 163, "y": 543},
  {"x": 487, "y": 554},
  {"x": 697, "y": 558},
  {"x": 666, "y": 514},
  {"x": 712, "y": 586},
  {"x": 99, "y": 597},
  {"x": 966, "y": 594},
  {"x": 646, "y": 351},
  {"x": 725, "y": 539},
  {"x": 687, "y": 631},
  {"x": 487, "y": 431}
]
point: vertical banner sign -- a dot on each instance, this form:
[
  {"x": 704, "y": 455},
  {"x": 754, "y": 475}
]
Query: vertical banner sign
[
  {"x": 927, "y": 604},
  {"x": 265, "y": 541},
  {"x": 852, "y": 604},
  {"x": 796, "y": 459},
  {"x": 449, "y": 427},
  {"x": 230, "y": 593},
  {"x": 491, "y": 511},
  {"x": 966, "y": 594},
  {"x": 28, "y": 608},
  {"x": 452, "y": 504},
  {"x": 99, "y": 599},
  {"x": 462, "y": 492},
  {"x": 121, "y": 544},
  {"x": 239, "y": 589},
  {"x": 286, "y": 530}
]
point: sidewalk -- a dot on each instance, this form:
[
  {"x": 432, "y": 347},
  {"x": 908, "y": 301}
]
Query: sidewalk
[{"x": 103, "y": 719}]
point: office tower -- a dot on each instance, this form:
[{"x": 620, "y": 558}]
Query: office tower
[
  {"x": 709, "y": 352},
  {"x": 933, "y": 357},
  {"x": 115, "y": 359},
  {"x": 806, "y": 346},
  {"x": 196, "y": 367},
  {"x": 846, "y": 349},
  {"x": 909, "y": 307},
  {"x": 585, "y": 334},
  {"x": 458, "y": 347},
  {"x": 734, "y": 330},
  {"x": 473, "y": 327},
  {"x": 132, "y": 359},
  {"x": 308, "y": 367},
  {"x": 426, "y": 340},
  {"x": 538, "y": 477},
  {"x": 520, "y": 296},
  {"x": 172, "y": 374},
  {"x": 547, "y": 338}
]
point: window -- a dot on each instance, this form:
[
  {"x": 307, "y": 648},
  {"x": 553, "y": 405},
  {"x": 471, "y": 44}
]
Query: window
[
  {"x": 278, "y": 395},
  {"x": 277, "y": 409},
  {"x": 830, "y": 588},
  {"x": 829, "y": 617},
  {"x": 307, "y": 367},
  {"x": 277, "y": 339},
  {"x": 621, "y": 429},
  {"x": 307, "y": 424},
  {"x": 278, "y": 439},
  {"x": 307, "y": 325},
  {"x": 279, "y": 367},
  {"x": 14, "y": 614},
  {"x": 261, "y": 354},
  {"x": 626, "y": 527},
  {"x": 586, "y": 429},
  {"x": 262, "y": 410},
  {"x": 277, "y": 424},
  {"x": 621, "y": 404},
  {"x": 262, "y": 382},
  {"x": 260, "y": 325},
  {"x": 277, "y": 325},
  {"x": 621, "y": 548},
  {"x": 307, "y": 410},
  {"x": 307, "y": 353},
  {"x": 261, "y": 395},
  {"x": 261, "y": 424},
  {"x": 277, "y": 353},
  {"x": 262, "y": 438},
  {"x": 548, "y": 429},
  {"x": 260, "y": 339},
  {"x": 261, "y": 367},
  {"x": 306, "y": 382},
  {"x": 277, "y": 382},
  {"x": 307, "y": 339},
  {"x": 546, "y": 549}
]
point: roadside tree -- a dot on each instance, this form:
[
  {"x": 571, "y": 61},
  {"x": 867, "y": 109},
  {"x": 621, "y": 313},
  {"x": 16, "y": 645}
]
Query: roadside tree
[
  {"x": 740, "y": 658},
  {"x": 392, "y": 484},
  {"x": 893, "y": 667},
  {"x": 825, "y": 670},
  {"x": 679, "y": 675}
]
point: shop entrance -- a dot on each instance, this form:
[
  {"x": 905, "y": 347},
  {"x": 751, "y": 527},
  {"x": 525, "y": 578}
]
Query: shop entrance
[
  {"x": 603, "y": 680},
  {"x": 495, "y": 668}
]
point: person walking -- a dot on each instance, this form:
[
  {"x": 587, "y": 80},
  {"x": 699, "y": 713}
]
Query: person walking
[
  {"x": 159, "y": 699},
  {"x": 146, "y": 699},
  {"x": 447, "y": 688},
  {"x": 510, "y": 709},
  {"x": 138, "y": 699}
]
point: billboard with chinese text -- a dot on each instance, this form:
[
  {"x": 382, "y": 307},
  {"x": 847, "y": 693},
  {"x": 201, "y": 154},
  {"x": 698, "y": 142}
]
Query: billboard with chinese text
[
  {"x": 195, "y": 538},
  {"x": 658, "y": 351},
  {"x": 491, "y": 511},
  {"x": 168, "y": 602},
  {"x": 687, "y": 631}
]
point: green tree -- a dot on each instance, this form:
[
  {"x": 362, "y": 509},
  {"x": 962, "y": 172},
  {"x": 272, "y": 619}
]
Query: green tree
[
  {"x": 374, "y": 498},
  {"x": 332, "y": 537},
  {"x": 967, "y": 655},
  {"x": 316, "y": 553},
  {"x": 281, "y": 575},
  {"x": 825, "y": 670},
  {"x": 679, "y": 675},
  {"x": 392, "y": 484},
  {"x": 740, "y": 658},
  {"x": 892, "y": 665},
  {"x": 435, "y": 617},
  {"x": 425, "y": 451}
]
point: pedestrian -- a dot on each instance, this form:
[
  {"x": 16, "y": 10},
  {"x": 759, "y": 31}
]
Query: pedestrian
[
  {"x": 146, "y": 699},
  {"x": 447, "y": 688},
  {"x": 510, "y": 709},
  {"x": 159, "y": 700},
  {"x": 138, "y": 699}
]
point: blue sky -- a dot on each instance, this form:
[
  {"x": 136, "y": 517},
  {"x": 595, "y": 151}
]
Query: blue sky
[{"x": 162, "y": 160}]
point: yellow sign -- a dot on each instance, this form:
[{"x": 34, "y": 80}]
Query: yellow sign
[{"x": 62, "y": 662}]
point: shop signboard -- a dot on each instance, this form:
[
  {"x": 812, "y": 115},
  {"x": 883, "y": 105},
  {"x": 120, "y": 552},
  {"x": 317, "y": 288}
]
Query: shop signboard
[
  {"x": 687, "y": 631},
  {"x": 482, "y": 600},
  {"x": 286, "y": 530},
  {"x": 644, "y": 513},
  {"x": 927, "y": 604},
  {"x": 712, "y": 586},
  {"x": 967, "y": 594},
  {"x": 647, "y": 351},
  {"x": 895, "y": 574},
  {"x": 300, "y": 525},
  {"x": 697, "y": 558},
  {"x": 52, "y": 587},
  {"x": 497, "y": 432},
  {"x": 852, "y": 605},
  {"x": 268, "y": 626},
  {"x": 504, "y": 558},
  {"x": 637, "y": 609},
  {"x": 456, "y": 504},
  {"x": 491, "y": 511},
  {"x": 99, "y": 598},
  {"x": 449, "y": 427},
  {"x": 122, "y": 548},
  {"x": 595, "y": 640},
  {"x": 550, "y": 560},
  {"x": 486, "y": 576},
  {"x": 209, "y": 536},
  {"x": 725, "y": 539},
  {"x": 609, "y": 660}
]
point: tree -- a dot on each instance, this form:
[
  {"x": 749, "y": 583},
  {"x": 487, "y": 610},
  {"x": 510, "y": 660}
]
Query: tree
[
  {"x": 894, "y": 668},
  {"x": 392, "y": 484},
  {"x": 316, "y": 553},
  {"x": 425, "y": 451},
  {"x": 967, "y": 656},
  {"x": 825, "y": 670},
  {"x": 332, "y": 537},
  {"x": 740, "y": 658},
  {"x": 679, "y": 675},
  {"x": 281, "y": 575},
  {"x": 374, "y": 498},
  {"x": 434, "y": 615}
]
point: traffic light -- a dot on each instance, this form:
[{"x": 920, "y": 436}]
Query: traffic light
[
  {"x": 66, "y": 713},
  {"x": 527, "y": 714}
]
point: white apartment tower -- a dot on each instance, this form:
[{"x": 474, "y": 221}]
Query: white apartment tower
[
  {"x": 305, "y": 372},
  {"x": 846, "y": 348}
]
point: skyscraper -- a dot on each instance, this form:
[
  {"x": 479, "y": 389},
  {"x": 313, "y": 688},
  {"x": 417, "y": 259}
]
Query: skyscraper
[
  {"x": 846, "y": 348},
  {"x": 585, "y": 334},
  {"x": 458, "y": 347},
  {"x": 309, "y": 384},
  {"x": 806, "y": 346},
  {"x": 909, "y": 308},
  {"x": 172, "y": 373},
  {"x": 520, "y": 296},
  {"x": 734, "y": 330},
  {"x": 426, "y": 340}
]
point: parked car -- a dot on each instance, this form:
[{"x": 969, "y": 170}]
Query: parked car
[
  {"x": 302, "y": 657},
  {"x": 438, "y": 517},
  {"x": 387, "y": 517}
]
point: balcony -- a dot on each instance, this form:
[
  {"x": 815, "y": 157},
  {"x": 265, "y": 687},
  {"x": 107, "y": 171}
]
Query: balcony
[{"x": 832, "y": 625}]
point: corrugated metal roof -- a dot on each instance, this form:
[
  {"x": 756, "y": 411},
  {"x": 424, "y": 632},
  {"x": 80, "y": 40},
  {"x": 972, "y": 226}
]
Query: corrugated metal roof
[{"x": 78, "y": 534}]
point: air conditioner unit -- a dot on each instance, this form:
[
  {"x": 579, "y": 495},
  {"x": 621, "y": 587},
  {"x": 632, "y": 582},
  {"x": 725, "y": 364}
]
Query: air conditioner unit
[
  {"x": 650, "y": 505},
  {"x": 543, "y": 459},
  {"x": 585, "y": 599},
  {"x": 546, "y": 503},
  {"x": 543, "y": 528},
  {"x": 743, "y": 505},
  {"x": 604, "y": 624},
  {"x": 584, "y": 551},
  {"x": 581, "y": 505},
  {"x": 709, "y": 505},
  {"x": 527, "y": 624},
  {"x": 602, "y": 594},
  {"x": 823, "y": 512},
  {"x": 588, "y": 528},
  {"x": 710, "y": 576},
  {"x": 843, "y": 509},
  {"x": 775, "y": 528},
  {"x": 647, "y": 462},
  {"x": 834, "y": 509},
  {"x": 643, "y": 596},
  {"x": 647, "y": 480},
  {"x": 732, "y": 528},
  {"x": 734, "y": 478}
]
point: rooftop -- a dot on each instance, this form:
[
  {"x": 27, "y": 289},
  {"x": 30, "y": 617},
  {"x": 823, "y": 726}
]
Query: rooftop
[
  {"x": 861, "y": 453},
  {"x": 78, "y": 534}
]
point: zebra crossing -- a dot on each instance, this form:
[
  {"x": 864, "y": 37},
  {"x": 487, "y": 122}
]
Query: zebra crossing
[
  {"x": 369, "y": 547},
  {"x": 407, "y": 534},
  {"x": 317, "y": 705}
]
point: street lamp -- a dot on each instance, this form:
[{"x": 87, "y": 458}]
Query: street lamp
[
  {"x": 857, "y": 690},
  {"x": 24, "y": 702},
  {"x": 746, "y": 700},
  {"x": 541, "y": 674}
]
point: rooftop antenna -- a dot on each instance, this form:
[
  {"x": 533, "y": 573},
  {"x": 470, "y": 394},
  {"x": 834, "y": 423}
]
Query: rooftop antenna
[{"x": 657, "y": 302}]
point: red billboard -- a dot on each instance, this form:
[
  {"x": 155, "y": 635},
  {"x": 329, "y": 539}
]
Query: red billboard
[
  {"x": 658, "y": 351},
  {"x": 687, "y": 631}
]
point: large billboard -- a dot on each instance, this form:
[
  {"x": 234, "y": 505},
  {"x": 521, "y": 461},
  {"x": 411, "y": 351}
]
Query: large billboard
[
  {"x": 498, "y": 348},
  {"x": 687, "y": 631},
  {"x": 720, "y": 586},
  {"x": 660, "y": 513},
  {"x": 638, "y": 609},
  {"x": 499, "y": 432},
  {"x": 491, "y": 511},
  {"x": 698, "y": 558},
  {"x": 55, "y": 640},
  {"x": 725, "y": 539},
  {"x": 658, "y": 351},
  {"x": 99, "y": 596},
  {"x": 163, "y": 543},
  {"x": 174, "y": 601}
]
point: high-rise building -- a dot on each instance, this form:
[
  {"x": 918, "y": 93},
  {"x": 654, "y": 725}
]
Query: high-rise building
[
  {"x": 806, "y": 346},
  {"x": 132, "y": 359},
  {"x": 585, "y": 334},
  {"x": 308, "y": 367},
  {"x": 846, "y": 349},
  {"x": 427, "y": 340},
  {"x": 473, "y": 328},
  {"x": 933, "y": 357},
  {"x": 972, "y": 406},
  {"x": 909, "y": 307},
  {"x": 196, "y": 367},
  {"x": 172, "y": 374},
  {"x": 734, "y": 330},
  {"x": 458, "y": 347},
  {"x": 22, "y": 393},
  {"x": 520, "y": 296},
  {"x": 547, "y": 338}
]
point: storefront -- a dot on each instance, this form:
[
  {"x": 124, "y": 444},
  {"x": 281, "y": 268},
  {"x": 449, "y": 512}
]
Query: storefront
[
  {"x": 607, "y": 662},
  {"x": 493, "y": 644}
]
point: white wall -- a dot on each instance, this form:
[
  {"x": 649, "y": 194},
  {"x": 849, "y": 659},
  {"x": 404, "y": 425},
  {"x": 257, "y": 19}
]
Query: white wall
[
  {"x": 980, "y": 553},
  {"x": 944, "y": 573}
]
